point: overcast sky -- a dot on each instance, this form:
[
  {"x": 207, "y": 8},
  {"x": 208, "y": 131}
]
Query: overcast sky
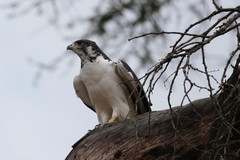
[
  {"x": 43, "y": 121},
  {"x": 37, "y": 122}
]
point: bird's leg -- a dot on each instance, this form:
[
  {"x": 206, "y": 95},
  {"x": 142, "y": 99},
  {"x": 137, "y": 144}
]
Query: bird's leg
[{"x": 113, "y": 119}]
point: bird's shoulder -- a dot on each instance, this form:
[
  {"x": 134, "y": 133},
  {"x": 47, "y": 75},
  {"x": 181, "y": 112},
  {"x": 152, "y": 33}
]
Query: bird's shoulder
[{"x": 124, "y": 67}]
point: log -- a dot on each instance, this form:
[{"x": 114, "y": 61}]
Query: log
[
  {"x": 208, "y": 128},
  {"x": 154, "y": 135}
]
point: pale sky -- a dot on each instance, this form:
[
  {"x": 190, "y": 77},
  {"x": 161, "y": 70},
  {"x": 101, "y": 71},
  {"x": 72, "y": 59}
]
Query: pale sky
[{"x": 38, "y": 122}]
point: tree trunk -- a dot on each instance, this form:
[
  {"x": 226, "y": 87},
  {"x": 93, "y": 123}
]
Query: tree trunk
[{"x": 204, "y": 129}]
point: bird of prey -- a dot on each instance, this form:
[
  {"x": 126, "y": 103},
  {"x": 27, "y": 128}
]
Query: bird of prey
[{"x": 111, "y": 89}]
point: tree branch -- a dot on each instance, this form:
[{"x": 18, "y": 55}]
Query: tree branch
[{"x": 194, "y": 131}]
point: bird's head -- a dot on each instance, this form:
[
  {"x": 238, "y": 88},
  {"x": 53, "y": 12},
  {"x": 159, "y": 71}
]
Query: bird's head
[{"x": 87, "y": 50}]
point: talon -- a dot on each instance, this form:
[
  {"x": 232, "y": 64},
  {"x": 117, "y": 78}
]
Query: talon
[
  {"x": 98, "y": 125},
  {"x": 113, "y": 119}
]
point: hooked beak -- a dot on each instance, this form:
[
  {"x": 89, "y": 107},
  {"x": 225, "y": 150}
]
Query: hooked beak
[{"x": 70, "y": 47}]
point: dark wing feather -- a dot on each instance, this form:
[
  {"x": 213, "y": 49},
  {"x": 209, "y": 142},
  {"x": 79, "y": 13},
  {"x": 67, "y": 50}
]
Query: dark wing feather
[
  {"x": 82, "y": 92},
  {"x": 135, "y": 88}
]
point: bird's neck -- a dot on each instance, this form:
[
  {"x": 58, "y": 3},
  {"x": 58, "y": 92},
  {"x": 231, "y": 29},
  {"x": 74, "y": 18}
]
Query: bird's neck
[{"x": 97, "y": 59}]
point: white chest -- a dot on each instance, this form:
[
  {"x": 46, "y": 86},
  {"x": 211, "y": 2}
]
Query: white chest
[
  {"x": 102, "y": 83},
  {"x": 95, "y": 73}
]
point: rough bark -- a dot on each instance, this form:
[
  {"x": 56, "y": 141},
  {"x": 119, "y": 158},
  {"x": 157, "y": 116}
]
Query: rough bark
[{"x": 204, "y": 129}]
